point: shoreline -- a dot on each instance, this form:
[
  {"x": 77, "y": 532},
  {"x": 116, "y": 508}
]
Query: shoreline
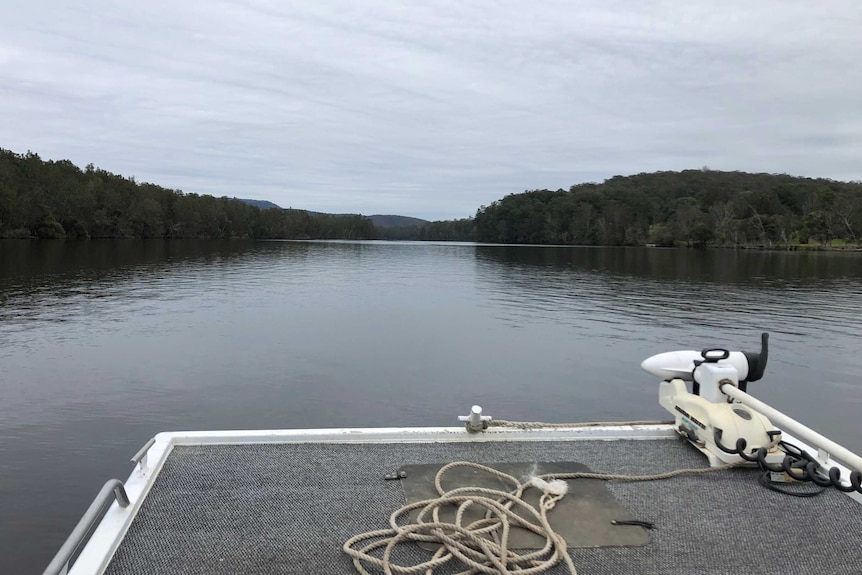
[{"x": 790, "y": 248}]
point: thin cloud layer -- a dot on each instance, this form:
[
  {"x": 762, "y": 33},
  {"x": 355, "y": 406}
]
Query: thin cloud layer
[{"x": 431, "y": 109}]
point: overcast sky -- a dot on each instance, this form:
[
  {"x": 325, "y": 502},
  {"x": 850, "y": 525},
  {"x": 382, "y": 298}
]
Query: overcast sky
[{"x": 430, "y": 109}]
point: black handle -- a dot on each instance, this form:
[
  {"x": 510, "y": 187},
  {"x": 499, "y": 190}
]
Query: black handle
[
  {"x": 714, "y": 354},
  {"x": 756, "y": 361}
]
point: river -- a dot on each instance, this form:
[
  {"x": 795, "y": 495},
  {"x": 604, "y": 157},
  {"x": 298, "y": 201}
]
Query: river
[{"x": 105, "y": 343}]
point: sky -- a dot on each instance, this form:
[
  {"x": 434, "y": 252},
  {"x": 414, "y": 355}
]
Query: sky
[{"x": 430, "y": 109}]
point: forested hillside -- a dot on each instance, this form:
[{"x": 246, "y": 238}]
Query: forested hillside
[
  {"x": 463, "y": 230},
  {"x": 56, "y": 199},
  {"x": 48, "y": 199},
  {"x": 693, "y": 207},
  {"x": 393, "y": 221},
  {"x": 262, "y": 204}
]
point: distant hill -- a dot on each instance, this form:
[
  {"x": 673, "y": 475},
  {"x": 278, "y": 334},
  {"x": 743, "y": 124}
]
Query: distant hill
[
  {"x": 262, "y": 204},
  {"x": 316, "y": 214},
  {"x": 380, "y": 221},
  {"x": 390, "y": 221}
]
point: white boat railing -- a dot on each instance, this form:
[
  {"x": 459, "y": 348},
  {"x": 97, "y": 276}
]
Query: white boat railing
[{"x": 113, "y": 490}]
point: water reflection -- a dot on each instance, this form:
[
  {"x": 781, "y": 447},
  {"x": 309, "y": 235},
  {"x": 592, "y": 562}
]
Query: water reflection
[
  {"x": 798, "y": 294},
  {"x": 736, "y": 267}
]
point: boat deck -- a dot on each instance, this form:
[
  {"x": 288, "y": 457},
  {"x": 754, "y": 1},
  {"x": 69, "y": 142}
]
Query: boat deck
[{"x": 288, "y": 508}]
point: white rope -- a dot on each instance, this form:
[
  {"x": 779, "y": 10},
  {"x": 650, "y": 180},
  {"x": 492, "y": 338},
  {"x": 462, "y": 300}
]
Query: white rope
[{"x": 483, "y": 545}]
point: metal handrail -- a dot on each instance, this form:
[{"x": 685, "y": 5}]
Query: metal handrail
[
  {"x": 112, "y": 490},
  {"x": 141, "y": 455}
]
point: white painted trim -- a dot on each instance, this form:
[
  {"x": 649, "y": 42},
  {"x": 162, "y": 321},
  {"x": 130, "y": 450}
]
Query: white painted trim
[
  {"x": 99, "y": 550},
  {"x": 419, "y": 435}
]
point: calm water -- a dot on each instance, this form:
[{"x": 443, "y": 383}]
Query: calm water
[{"x": 103, "y": 344}]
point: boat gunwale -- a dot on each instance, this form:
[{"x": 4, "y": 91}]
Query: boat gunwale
[
  {"x": 108, "y": 535},
  {"x": 99, "y": 550}
]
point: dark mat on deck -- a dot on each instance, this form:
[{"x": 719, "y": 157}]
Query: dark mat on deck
[{"x": 583, "y": 517}]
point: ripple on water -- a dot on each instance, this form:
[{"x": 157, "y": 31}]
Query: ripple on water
[{"x": 113, "y": 342}]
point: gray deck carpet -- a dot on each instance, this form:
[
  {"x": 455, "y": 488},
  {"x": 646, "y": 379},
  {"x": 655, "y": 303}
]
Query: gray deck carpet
[{"x": 288, "y": 508}]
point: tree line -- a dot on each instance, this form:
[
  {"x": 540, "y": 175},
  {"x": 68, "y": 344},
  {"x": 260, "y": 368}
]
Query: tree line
[
  {"x": 462, "y": 230},
  {"x": 56, "y": 199},
  {"x": 692, "y": 208}
]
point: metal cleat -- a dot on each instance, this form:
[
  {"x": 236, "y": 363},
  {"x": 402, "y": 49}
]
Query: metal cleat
[{"x": 475, "y": 421}]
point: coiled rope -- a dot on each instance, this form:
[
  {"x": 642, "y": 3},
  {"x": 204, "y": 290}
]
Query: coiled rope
[{"x": 483, "y": 545}]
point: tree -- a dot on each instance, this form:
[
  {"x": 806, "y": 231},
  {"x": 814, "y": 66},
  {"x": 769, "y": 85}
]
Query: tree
[
  {"x": 696, "y": 207},
  {"x": 49, "y": 199}
]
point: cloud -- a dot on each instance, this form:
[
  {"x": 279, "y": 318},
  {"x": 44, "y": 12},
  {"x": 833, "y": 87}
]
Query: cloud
[{"x": 430, "y": 109}]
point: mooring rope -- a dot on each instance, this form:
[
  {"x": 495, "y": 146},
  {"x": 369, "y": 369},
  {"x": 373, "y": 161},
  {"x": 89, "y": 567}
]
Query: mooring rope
[
  {"x": 483, "y": 545},
  {"x": 540, "y": 425}
]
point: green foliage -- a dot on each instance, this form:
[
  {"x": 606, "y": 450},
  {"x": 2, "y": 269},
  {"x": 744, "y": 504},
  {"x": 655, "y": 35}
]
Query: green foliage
[
  {"x": 52, "y": 200},
  {"x": 47, "y": 199},
  {"x": 692, "y": 207},
  {"x": 441, "y": 231},
  {"x": 48, "y": 228},
  {"x": 394, "y": 221}
]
